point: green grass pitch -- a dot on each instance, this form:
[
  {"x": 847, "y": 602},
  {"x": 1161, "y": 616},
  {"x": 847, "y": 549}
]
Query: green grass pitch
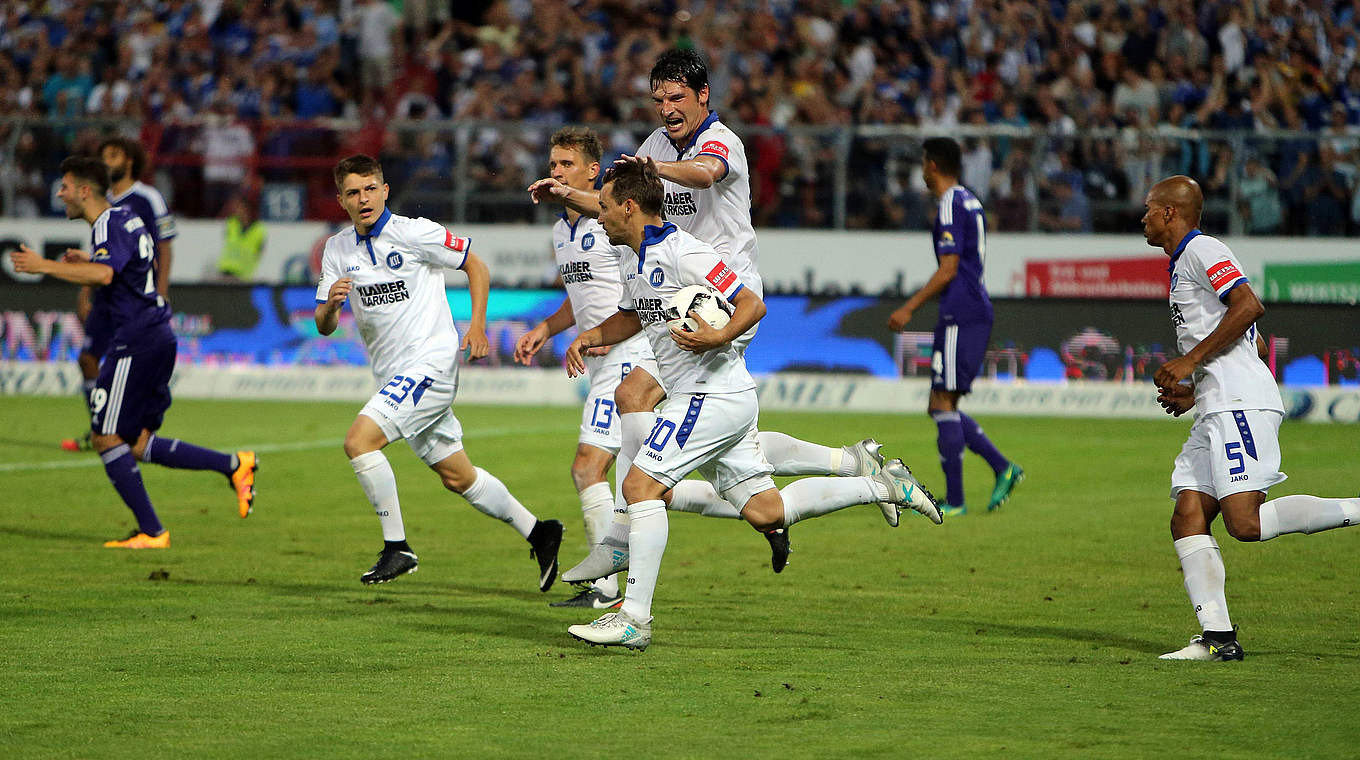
[{"x": 1032, "y": 632}]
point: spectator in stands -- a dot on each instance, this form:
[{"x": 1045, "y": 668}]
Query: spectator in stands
[
  {"x": 228, "y": 150},
  {"x": 1326, "y": 193},
  {"x": 244, "y": 239}
]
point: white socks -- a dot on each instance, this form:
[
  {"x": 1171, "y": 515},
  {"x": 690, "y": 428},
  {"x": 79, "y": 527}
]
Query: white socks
[
  {"x": 812, "y": 497},
  {"x": 380, "y": 486},
  {"x": 1202, "y": 565},
  {"x": 791, "y": 456},
  {"x": 1306, "y": 514},
  {"x": 646, "y": 544},
  {"x": 597, "y": 510},
  {"x": 699, "y": 497},
  {"x": 490, "y": 497}
]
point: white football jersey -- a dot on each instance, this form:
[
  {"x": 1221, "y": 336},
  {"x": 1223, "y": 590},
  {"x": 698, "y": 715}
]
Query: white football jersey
[
  {"x": 398, "y": 299},
  {"x": 719, "y": 215},
  {"x": 591, "y": 271},
  {"x": 1203, "y": 271},
  {"x": 669, "y": 260}
]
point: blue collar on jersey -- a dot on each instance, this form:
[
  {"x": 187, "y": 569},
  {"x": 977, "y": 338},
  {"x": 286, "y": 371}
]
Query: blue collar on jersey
[
  {"x": 373, "y": 232},
  {"x": 1191, "y": 235},
  {"x": 680, "y": 152},
  {"x": 570, "y": 226},
  {"x": 651, "y": 234}
]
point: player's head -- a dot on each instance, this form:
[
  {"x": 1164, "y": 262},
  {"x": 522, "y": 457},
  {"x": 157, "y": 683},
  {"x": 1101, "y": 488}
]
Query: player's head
[
  {"x": 124, "y": 157},
  {"x": 680, "y": 92},
  {"x": 361, "y": 190},
  {"x": 630, "y": 199},
  {"x": 941, "y": 161},
  {"x": 84, "y": 180},
  {"x": 574, "y": 159},
  {"x": 1173, "y": 209}
]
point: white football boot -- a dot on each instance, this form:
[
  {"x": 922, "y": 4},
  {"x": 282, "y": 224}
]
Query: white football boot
[
  {"x": 605, "y": 558},
  {"x": 1203, "y": 650},
  {"x": 615, "y": 629},
  {"x": 906, "y": 491}
]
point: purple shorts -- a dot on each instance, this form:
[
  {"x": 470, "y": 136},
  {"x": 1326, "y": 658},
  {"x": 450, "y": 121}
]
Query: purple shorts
[
  {"x": 957, "y": 356},
  {"x": 98, "y": 334},
  {"x": 132, "y": 392}
]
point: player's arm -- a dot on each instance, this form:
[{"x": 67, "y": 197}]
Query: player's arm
[
  {"x": 747, "y": 309},
  {"x": 621, "y": 325},
  {"x": 584, "y": 202},
  {"x": 77, "y": 269},
  {"x": 945, "y": 274},
  {"x": 165, "y": 254},
  {"x": 701, "y": 172},
  {"x": 529, "y": 343},
  {"x": 1244, "y": 308},
  {"x": 475, "y": 343},
  {"x": 328, "y": 312}
]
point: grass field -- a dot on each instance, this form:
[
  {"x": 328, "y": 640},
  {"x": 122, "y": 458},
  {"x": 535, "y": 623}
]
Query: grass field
[{"x": 1032, "y": 632}]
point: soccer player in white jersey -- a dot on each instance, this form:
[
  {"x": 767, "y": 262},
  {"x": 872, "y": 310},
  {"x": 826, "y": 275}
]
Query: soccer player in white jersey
[
  {"x": 391, "y": 269},
  {"x": 1232, "y": 456},
  {"x": 707, "y": 193},
  {"x": 708, "y": 420}
]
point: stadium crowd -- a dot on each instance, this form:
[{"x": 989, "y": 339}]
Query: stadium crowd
[{"x": 230, "y": 93}]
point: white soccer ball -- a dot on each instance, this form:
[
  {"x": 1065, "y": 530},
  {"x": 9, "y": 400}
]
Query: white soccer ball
[{"x": 705, "y": 301}]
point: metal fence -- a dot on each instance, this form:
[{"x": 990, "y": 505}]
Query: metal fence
[{"x": 841, "y": 177}]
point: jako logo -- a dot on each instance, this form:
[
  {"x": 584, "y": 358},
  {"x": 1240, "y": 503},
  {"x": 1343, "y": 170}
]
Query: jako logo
[
  {"x": 657, "y": 277},
  {"x": 394, "y": 260}
]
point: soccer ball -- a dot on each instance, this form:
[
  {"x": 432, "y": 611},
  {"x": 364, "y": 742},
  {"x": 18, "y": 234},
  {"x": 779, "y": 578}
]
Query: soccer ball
[{"x": 707, "y": 302}]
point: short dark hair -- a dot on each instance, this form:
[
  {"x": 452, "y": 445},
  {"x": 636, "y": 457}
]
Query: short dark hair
[
  {"x": 636, "y": 180},
  {"x": 88, "y": 170},
  {"x": 359, "y": 164},
  {"x": 583, "y": 139},
  {"x": 945, "y": 152},
  {"x": 130, "y": 148},
  {"x": 680, "y": 65}
]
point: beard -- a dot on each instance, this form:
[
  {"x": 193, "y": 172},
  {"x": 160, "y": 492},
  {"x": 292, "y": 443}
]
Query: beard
[{"x": 117, "y": 175}]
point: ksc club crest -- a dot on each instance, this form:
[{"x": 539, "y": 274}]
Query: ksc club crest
[
  {"x": 587, "y": 241},
  {"x": 657, "y": 277},
  {"x": 394, "y": 260}
]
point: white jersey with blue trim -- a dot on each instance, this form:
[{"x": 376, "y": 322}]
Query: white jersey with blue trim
[
  {"x": 398, "y": 299},
  {"x": 591, "y": 271},
  {"x": 670, "y": 260},
  {"x": 1203, "y": 272},
  {"x": 720, "y": 214}
]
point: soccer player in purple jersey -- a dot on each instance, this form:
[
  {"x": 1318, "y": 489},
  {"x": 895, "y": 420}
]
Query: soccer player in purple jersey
[
  {"x": 126, "y": 159},
  {"x": 132, "y": 392},
  {"x": 964, "y": 326}
]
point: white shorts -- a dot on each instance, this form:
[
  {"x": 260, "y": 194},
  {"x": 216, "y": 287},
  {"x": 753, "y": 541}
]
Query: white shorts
[
  {"x": 1230, "y": 452},
  {"x": 418, "y": 407},
  {"x": 599, "y": 418},
  {"x": 713, "y": 433}
]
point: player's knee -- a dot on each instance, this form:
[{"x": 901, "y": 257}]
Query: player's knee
[
  {"x": 456, "y": 481},
  {"x": 764, "y": 515},
  {"x": 637, "y": 397},
  {"x": 585, "y": 474},
  {"x": 1244, "y": 528}
]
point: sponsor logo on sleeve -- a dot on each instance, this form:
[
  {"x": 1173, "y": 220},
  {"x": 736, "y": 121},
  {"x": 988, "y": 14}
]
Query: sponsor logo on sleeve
[
  {"x": 459, "y": 244},
  {"x": 1222, "y": 273},
  {"x": 721, "y": 277},
  {"x": 947, "y": 239},
  {"x": 714, "y": 147},
  {"x": 100, "y": 253}
]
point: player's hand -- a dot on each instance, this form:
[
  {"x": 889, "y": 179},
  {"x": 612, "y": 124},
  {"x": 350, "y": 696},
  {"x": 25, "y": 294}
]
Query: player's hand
[
  {"x": 1174, "y": 371},
  {"x": 548, "y": 189},
  {"x": 704, "y": 339},
  {"x": 597, "y": 350},
  {"x": 475, "y": 344},
  {"x": 27, "y": 260},
  {"x": 897, "y": 321},
  {"x": 1177, "y": 400},
  {"x": 339, "y": 292},
  {"x": 627, "y": 159},
  {"x": 529, "y": 343},
  {"x": 75, "y": 256},
  {"x": 576, "y": 364}
]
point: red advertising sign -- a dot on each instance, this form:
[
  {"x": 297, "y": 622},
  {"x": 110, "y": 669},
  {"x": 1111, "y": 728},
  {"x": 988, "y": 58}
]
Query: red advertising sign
[{"x": 1098, "y": 278}]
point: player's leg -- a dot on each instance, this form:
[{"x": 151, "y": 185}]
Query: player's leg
[
  {"x": 238, "y": 468},
  {"x": 98, "y": 337},
  {"x": 441, "y": 448},
  {"x": 792, "y": 456},
  {"x": 119, "y": 403},
  {"x": 589, "y": 472},
  {"x": 1254, "y": 461},
  {"x": 1193, "y": 485},
  {"x": 364, "y": 443},
  {"x": 944, "y": 410}
]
